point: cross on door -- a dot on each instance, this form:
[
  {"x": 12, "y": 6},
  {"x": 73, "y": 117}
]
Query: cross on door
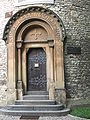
[{"x": 36, "y": 34}]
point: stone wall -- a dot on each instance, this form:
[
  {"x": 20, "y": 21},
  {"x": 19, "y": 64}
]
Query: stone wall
[
  {"x": 75, "y": 15},
  {"x": 5, "y": 6}
]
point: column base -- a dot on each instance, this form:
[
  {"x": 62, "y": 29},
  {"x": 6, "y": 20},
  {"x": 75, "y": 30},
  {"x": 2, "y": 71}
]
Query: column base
[
  {"x": 19, "y": 90},
  {"x": 11, "y": 96},
  {"x": 51, "y": 91},
  {"x": 20, "y": 94},
  {"x": 60, "y": 96}
]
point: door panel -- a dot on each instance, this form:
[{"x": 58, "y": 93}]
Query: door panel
[{"x": 36, "y": 69}]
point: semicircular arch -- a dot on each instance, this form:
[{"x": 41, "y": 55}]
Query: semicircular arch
[
  {"x": 42, "y": 12},
  {"x": 39, "y": 23}
]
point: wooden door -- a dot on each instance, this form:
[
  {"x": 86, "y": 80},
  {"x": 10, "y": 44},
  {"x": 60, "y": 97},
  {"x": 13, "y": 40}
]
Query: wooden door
[{"x": 36, "y": 69}]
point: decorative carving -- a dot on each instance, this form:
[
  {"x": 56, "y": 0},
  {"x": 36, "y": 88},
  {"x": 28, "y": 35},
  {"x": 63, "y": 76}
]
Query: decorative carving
[
  {"x": 11, "y": 39},
  {"x": 49, "y": 19},
  {"x": 19, "y": 44},
  {"x": 49, "y": 16},
  {"x": 53, "y": 28},
  {"x": 36, "y": 34},
  {"x": 51, "y": 43}
]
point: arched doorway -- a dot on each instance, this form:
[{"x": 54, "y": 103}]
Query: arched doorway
[{"x": 29, "y": 29}]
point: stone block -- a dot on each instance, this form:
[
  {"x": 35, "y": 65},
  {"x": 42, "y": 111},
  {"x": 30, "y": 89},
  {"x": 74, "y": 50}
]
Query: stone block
[{"x": 60, "y": 96}]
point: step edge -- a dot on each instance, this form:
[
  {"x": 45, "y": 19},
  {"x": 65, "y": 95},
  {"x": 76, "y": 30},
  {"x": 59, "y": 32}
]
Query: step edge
[
  {"x": 34, "y": 100},
  {"x": 36, "y": 96},
  {"x": 37, "y": 91},
  {"x": 15, "y": 111},
  {"x": 35, "y": 105}
]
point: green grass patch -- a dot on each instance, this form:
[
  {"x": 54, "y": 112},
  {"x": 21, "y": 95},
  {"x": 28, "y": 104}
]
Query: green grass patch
[{"x": 81, "y": 112}]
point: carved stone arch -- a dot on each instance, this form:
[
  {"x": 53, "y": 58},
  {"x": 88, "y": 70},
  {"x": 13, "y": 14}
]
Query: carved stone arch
[
  {"x": 22, "y": 12},
  {"x": 15, "y": 32},
  {"x": 35, "y": 22}
]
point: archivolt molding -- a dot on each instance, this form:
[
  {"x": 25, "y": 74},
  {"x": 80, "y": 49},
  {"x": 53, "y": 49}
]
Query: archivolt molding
[
  {"x": 33, "y": 13},
  {"x": 39, "y": 23}
]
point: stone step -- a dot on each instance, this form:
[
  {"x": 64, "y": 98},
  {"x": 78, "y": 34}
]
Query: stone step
[
  {"x": 35, "y": 102},
  {"x": 35, "y": 107},
  {"x": 35, "y": 113},
  {"x": 37, "y": 93},
  {"x": 35, "y": 97}
]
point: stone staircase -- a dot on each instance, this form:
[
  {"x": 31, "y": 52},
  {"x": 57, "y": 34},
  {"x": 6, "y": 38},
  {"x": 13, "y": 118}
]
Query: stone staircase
[{"x": 35, "y": 103}]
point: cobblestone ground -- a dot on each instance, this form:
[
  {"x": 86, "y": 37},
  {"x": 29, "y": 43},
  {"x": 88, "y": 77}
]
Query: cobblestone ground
[{"x": 68, "y": 117}]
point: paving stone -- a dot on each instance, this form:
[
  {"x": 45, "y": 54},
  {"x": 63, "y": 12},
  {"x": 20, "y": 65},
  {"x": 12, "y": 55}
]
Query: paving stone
[{"x": 68, "y": 117}]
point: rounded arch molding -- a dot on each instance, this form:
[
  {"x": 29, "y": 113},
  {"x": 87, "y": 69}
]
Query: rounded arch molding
[
  {"x": 23, "y": 12},
  {"x": 53, "y": 28},
  {"x": 21, "y": 32}
]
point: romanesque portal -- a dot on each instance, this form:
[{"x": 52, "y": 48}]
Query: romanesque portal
[{"x": 34, "y": 38}]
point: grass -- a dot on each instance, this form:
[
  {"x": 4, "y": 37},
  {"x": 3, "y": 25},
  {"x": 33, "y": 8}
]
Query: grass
[{"x": 81, "y": 112}]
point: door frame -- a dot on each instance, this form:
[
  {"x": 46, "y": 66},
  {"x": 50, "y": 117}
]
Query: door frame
[{"x": 24, "y": 62}]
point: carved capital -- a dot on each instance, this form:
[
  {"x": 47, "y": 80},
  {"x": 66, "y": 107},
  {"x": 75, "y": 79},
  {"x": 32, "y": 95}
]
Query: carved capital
[
  {"x": 51, "y": 43},
  {"x": 19, "y": 44}
]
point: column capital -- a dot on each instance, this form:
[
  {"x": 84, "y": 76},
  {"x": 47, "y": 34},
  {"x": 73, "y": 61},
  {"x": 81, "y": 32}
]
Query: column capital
[
  {"x": 19, "y": 44},
  {"x": 51, "y": 43}
]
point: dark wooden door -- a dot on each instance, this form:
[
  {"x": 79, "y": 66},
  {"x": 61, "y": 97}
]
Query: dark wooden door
[{"x": 36, "y": 69}]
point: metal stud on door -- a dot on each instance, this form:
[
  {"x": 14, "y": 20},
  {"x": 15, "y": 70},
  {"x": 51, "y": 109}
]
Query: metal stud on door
[{"x": 36, "y": 69}]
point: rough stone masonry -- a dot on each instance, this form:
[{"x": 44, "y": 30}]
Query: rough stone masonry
[{"x": 75, "y": 15}]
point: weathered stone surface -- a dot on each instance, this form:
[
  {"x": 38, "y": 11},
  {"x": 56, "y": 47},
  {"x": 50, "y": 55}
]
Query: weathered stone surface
[
  {"x": 25, "y": 2},
  {"x": 60, "y": 96},
  {"x": 76, "y": 19}
]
